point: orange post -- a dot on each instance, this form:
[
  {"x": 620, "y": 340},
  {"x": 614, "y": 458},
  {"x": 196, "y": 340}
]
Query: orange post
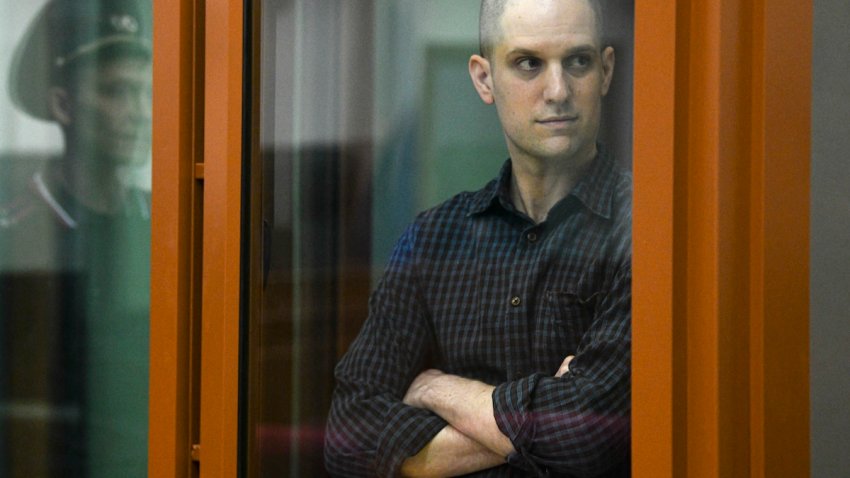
[
  {"x": 720, "y": 328},
  {"x": 174, "y": 133},
  {"x": 657, "y": 348},
  {"x": 782, "y": 155},
  {"x": 221, "y": 250}
]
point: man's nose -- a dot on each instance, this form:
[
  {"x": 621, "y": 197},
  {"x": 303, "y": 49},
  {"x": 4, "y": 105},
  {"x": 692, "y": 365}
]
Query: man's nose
[
  {"x": 557, "y": 88},
  {"x": 139, "y": 104}
]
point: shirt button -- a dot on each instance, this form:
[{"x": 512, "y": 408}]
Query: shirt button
[
  {"x": 516, "y": 301},
  {"x": 532, "y": 237}
]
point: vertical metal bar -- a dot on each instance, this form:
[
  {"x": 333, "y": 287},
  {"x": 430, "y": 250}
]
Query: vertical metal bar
[
  {"x": 784, "y": 143},
  {"x": 656, "y": 444},
  {"x": 177, "y": 129},
  {"x": 222, "y": 278}
]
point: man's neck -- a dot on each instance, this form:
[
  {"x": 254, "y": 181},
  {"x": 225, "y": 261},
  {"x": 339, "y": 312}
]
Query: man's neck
[
  {"x": 93, "y": 184},
  {"x": 537, "y": 185}
]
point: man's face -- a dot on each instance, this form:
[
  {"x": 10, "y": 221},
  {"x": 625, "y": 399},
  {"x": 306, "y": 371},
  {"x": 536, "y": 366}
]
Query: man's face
[
  {"x": 110, "y": 109},
  {"x": 548, "y": 74}
]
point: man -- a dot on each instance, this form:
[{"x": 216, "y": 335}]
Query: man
[
  {"x": 74, "y": 248},
  {"x": 498, "y": 341}
]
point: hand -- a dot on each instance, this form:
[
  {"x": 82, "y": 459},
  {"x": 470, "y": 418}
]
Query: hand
[
  {"x": 415, "y": 396},
  {"x": 565, "y": 366}
]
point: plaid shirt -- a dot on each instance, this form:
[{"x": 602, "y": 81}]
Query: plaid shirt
[{"x": 476, "y": 289}]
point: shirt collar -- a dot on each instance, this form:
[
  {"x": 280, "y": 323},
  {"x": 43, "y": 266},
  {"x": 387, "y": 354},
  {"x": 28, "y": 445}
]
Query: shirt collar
[
  {"x": 594, "y": 190},
  {"x": 495, "y": 192},
  {"x": 69, "y": 211}
]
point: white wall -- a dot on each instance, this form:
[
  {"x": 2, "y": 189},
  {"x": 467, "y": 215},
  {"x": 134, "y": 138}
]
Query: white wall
[{"x": 20, "y": 133}]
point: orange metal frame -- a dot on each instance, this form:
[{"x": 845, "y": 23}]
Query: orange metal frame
[
  {"x": 720, "y": 329},
  {"x": 172, "y": 283},
  {"x": 222, "y": 242},
  {"x": 196, "y": 237}
]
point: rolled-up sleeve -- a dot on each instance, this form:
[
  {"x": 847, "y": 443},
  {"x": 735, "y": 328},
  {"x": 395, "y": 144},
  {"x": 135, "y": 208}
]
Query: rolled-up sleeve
[
  {"x": 578, "y": 424},
  {"x": 370, "y": 432}
]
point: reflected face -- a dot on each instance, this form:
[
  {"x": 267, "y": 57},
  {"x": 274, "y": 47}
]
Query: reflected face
[
  {"x": 110, "y": 110},
  {"x": 548, "y": 75}
]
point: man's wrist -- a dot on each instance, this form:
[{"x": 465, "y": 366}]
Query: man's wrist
[
  {"x": 421, "y": 393},
  {"x": 431, "y": 391}
]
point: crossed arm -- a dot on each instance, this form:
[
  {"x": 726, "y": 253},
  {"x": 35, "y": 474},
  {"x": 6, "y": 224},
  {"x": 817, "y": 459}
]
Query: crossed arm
[
  {"x": 472, "y": 441},
  {"x": 387, "y": 417}
]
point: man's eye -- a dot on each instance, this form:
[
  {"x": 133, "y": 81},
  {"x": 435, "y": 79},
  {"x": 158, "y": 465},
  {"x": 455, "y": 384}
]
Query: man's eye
[
  {"x": 528, "y": 64},
  {"x": 579, "y": 61},
  {"x": 114, "y": 91}
]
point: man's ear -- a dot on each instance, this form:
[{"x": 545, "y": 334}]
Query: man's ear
[
  {"x": 60, "y": 105},
  {"x": 608, "y": 58},
  {"x": 482, "y": 78}
]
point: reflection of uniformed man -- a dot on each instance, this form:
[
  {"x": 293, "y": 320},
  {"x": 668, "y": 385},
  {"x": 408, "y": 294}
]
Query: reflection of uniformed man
[{"x": 74, "y": 249}]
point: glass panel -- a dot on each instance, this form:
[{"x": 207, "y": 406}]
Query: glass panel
[
  {"x": 367, "y": 116},
  {"x": 830, "y": 230},
  {"x": 75, "y": 137}
]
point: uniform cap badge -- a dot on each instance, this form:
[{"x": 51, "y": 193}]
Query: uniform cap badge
[{"x": 124, "y": 23}]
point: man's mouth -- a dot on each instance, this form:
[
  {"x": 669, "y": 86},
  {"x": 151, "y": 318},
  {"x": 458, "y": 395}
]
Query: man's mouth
[{"x": 558, "y": 121}]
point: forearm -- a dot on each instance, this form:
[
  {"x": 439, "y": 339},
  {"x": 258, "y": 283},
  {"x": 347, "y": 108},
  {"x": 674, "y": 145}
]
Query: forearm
[
  {"x": 450, "y": 453},
  {"x": 467, "y": 405},
  {"x": 373, "y": 436}
]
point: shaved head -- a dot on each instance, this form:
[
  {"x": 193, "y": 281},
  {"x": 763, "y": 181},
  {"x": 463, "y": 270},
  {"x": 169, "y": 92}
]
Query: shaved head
[{"x": 490, "y": 23}]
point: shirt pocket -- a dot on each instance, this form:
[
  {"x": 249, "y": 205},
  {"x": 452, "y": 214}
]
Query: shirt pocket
[{"x": 565, "y": 317}]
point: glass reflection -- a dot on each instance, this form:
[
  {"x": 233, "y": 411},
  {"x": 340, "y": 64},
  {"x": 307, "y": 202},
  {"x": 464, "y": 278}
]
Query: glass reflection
[
  {"x": 75, "y": 240},
  {"x": 349, "y": 91},
  {"x": 367, "y": 116}
]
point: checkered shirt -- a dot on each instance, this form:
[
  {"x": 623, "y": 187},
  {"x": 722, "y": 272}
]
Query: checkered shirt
[{"x": 477, "y": 289}]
